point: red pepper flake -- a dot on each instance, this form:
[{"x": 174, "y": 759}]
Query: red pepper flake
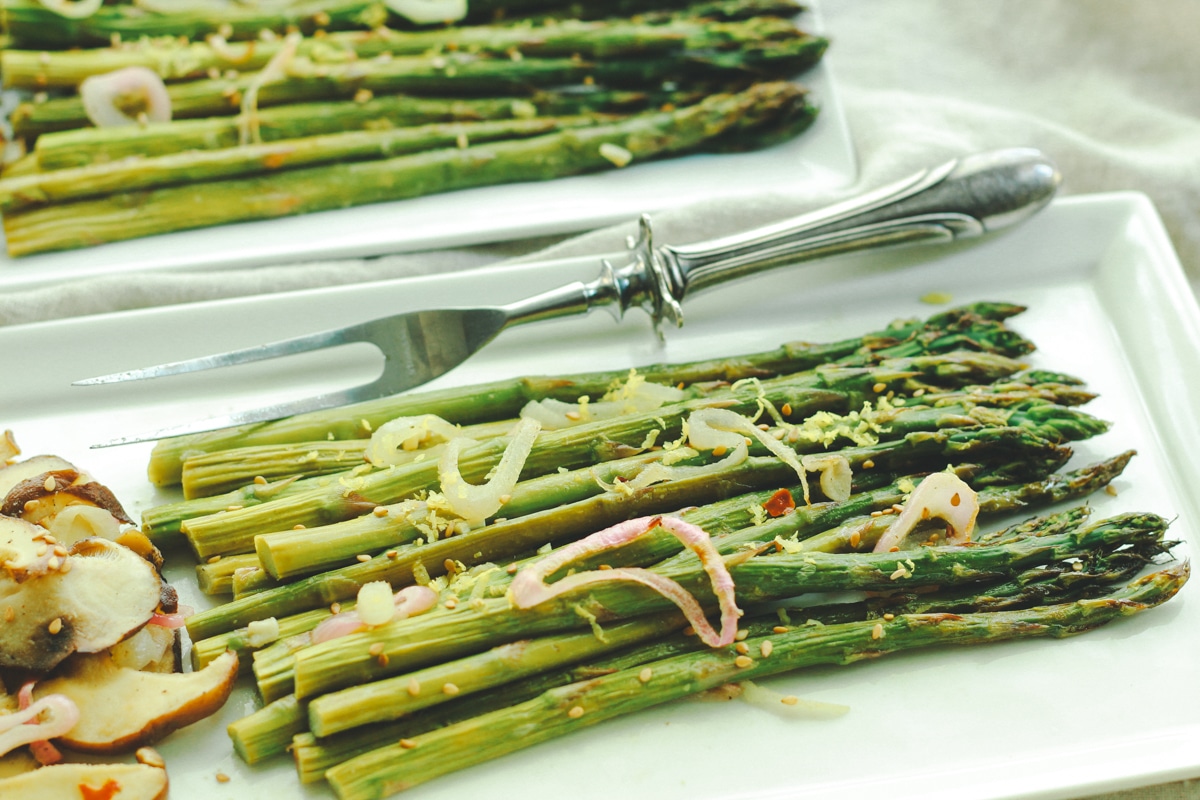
[
  {"x": 780, "y": 503},
  {"x": 105, "y": 792}
]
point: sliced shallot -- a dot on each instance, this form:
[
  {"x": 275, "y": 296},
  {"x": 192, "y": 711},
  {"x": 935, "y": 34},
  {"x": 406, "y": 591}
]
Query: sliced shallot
[
  {"x": 406, "y": 434},
  {"x": 27, "y": 726},
  {"x": 529, "y": 587},
  {"x": 943, "y": 495},
  {"x": 73, "y": 9},
  {"x": 127, "y": 96},
  {"x": 477, "y": 503}
]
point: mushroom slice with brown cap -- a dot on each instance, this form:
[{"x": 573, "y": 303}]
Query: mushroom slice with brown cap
[
  {"x": 99, "y": 594},
  {"x": 40, "y": 498},
  {"x": 111, "y": 781},
  {"x": 19, "y": 471},
  {"x": 121, "y": 709}
]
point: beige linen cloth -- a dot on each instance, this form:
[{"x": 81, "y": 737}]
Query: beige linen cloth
[{"x": 1109, "y": 88}]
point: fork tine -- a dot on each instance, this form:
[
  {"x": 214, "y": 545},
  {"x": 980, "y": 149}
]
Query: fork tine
[
  {"x": 262, "y": 352},
  {"x": 267, "y": 413}
]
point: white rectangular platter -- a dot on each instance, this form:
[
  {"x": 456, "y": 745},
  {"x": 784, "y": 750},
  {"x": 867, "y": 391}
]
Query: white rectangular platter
[
  {"x": 821, "y": 156},
  {"x": 1111, "y": 709}
]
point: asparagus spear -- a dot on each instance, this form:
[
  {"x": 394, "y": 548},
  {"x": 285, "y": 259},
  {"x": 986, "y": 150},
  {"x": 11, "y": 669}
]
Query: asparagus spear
[
  {"x": 32, "y": 24},
  {"x": 290, "y": 553},
  {"x": 314, "y": 756},
  {"x": 346, "y": 661},
  {"x": 455, "y": 74},
  {"x": 126, "y": 175},
  {"x": 645, "y": 137},
  {"x": 552, "y": 714},
  {"x": 588, "y": 443},
  {"x": 979, "y": 326},
  {"x": 176, "y": 60},
  {"x": 809, "y": 526},
  {"x": 82, "y": 146}
]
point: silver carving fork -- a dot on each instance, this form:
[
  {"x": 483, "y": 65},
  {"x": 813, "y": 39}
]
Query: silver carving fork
[{"x": 960, "y": 199}]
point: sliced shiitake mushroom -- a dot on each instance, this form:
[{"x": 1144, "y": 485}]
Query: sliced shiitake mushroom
[
  {"x": 40, "y": 497},
  {"x": 19, "y": 471},
  {"x": 100, "y": 594},
  {"x": 121, "y": 708},
  {"x": 110, "y": 781},
  {"x": 24, "y": 550}
]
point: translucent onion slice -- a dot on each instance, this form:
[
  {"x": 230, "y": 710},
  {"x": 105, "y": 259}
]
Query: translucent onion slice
[
  {"x": 943, "y": 495},
  {"x": 529, "y": 587},
  {"x": 477, "y": 503},
  {"x": 636, "y": 394},
  {"x": 73, "y": 9},
  {"x": 428, "y": 12},
  {"x": 408, "y": 602},
  {"x": 837, "y": 478},
  {"x": 28, "y": 727},
  {"x": 406, "y": 434},
  {"x": 109, "y": 99}
]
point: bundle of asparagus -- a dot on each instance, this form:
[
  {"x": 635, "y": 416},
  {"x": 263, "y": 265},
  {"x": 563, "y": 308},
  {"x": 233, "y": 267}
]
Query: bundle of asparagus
[
  {"x": 582, "y": 592},
  {"x": 235, "y": 112}
]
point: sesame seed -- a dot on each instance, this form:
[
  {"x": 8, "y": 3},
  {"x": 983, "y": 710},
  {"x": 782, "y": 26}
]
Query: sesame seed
[
  {"x": 789, "y": 700},
  {"x": 380, "y": 511},
  {"x": 414, "y": 687},
  {"x": 645, "y": 675},
  {"x": 362, "y": 558},
  {"x": 451, "y": 603},
  {"x": 376, "y": 648},
  {"x": 150, "y": 757},
  {"x": 877, "y": 631},
  {"x": 787, "y": 409},
  {"x": 50, "y": 485},
  {"x": 779, "y": 629},
  {"x": 298, "y": 527},
  {"x": 234, "y": 507},
  {"x": 55, "y": 625},
  {"x": 868, "y": 464},
  {"x": 1110, "y": 490},
  {"x": 766, "y": 647},
  {"x": 222, "y": 777},
  {"x": 408, "y": 744},
  {"x": 449, "y": 688},
  {"x": 741, "y": 634},
  {"x": 742, "y": 648},
  {"x": 336, "y": 608},
  {"x": 743, "y": 661},
  {"x": 382, "y": 659},
  {"x": 392, "y": 555},
  {"x": 855, "y": 539},
  {"x": 576, "y": 712},
  {"x": 879, "y": 388},
  {"x": 53, "y": 563}
]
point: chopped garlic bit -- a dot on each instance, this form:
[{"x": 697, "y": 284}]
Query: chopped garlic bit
[
  {"x": 375, "y": 605},
  {"x": 262, "y": 632},
  {"x": 615, "y": 154}
]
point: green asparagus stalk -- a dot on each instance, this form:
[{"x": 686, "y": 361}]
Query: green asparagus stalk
[
  {"x": 978, "y": 326},
  {"x": 215, "y": 576},
  {"x": 451, "y": 73},
  {"x": 32, "y": 24},
  {"x": 290, "y": 553},
  {"x": 808, "y": 526},
  {"x": 207, "y": 474},
  {"x": 98, "y": 180},
  {"x": 644, "y": 137},
  {"x": 391, "y": 698},
  {"x": 585, "y": 444},
  {"x": 453, "y": 747},
  {"x": 1056, "y": 584},
  {"x": 176, "y": 60},
  {"x": 346, "y": 661},
  {"x": 83, "y": 146}
]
